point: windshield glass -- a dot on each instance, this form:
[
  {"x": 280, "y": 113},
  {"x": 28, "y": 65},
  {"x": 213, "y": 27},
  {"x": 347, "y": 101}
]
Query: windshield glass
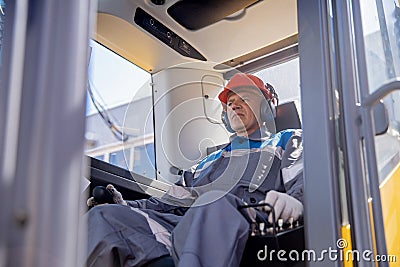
[{"x": 114, "y": 133}]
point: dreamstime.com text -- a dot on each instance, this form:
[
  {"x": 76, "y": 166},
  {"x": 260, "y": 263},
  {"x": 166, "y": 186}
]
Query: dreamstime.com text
[{"x": 331, "y": 254}]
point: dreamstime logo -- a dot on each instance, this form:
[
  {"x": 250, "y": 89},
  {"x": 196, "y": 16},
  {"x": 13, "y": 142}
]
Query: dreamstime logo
[
  {"x": 341, "y": 243},
  {"x": 331, "y": 254},
  {"x": 184, "y": 127}
]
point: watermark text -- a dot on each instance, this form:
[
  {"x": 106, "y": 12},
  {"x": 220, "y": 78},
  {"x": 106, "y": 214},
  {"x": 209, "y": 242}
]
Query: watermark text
[{"x": 332, "y": 254}]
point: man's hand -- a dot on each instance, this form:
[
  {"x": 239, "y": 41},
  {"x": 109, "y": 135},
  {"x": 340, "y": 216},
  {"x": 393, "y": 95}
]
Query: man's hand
[
  {"x": 115, "y": 194},
  {"x": 285, "y": 206}
]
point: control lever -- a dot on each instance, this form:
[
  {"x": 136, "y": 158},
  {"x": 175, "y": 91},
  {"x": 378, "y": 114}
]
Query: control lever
[
  {"x": 102, "y": 195},
  {"x": 264, "y": 227},
  {"x": 266, "y": 224},
  {"x": 277, "y": 236}
]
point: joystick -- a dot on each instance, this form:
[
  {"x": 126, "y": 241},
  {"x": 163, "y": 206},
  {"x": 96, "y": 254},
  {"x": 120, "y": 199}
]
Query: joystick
[{"x": 101, "y": 195}]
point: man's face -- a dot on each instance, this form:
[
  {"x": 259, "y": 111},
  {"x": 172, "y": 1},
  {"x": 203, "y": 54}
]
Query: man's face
[{"x": 243, "y": 108}]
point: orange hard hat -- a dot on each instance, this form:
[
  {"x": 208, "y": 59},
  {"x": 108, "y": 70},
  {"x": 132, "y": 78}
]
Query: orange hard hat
[{"x": 244, "y": 80}]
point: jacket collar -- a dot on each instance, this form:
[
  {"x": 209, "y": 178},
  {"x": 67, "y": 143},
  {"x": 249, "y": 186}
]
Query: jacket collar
[{"x": 261, "y": 134}]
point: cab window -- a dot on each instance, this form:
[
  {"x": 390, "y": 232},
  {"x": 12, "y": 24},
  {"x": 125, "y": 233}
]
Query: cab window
[{"x": 119, "y": 95}]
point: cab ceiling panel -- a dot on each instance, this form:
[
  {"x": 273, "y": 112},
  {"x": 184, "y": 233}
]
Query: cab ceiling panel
[
  {"x": 117, "y": 31},
  {"x": 206, "y": 12},
  {"x": 259, "y": 25},
  {"x": 166, "y": 35}
]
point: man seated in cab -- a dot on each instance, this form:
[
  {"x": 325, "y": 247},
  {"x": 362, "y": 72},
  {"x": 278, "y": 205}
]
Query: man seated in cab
[{"x": 209, "y": 229}]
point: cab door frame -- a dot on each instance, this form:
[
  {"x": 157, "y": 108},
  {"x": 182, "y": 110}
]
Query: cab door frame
[
  {"x": 339, "y": 141},
  {"x": 321, "y": 166},
  {"x": 43, "y": 81}
]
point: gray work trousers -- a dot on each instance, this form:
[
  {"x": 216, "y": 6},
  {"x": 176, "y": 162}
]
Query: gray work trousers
[{"x": 210, "y": 235}]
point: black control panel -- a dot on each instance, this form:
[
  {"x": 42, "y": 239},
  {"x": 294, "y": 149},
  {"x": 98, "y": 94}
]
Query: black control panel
[
  {"x": 165, "y": 35},
  {"x": 266, "y": 238}
]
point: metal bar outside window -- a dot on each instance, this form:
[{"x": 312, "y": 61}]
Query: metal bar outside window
[{"x": 368, "y": 129}]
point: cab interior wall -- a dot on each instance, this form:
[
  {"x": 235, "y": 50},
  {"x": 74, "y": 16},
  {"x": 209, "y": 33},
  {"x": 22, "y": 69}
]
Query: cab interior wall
[{"x": 186, "y": 110}]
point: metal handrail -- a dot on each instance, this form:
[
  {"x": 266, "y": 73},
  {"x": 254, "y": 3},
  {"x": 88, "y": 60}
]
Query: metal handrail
[
  {"x": 367, "y": 104},
  {"x": 372, "y": 99}
]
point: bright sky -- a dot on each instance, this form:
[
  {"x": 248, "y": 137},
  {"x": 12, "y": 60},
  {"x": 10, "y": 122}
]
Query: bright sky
[{"x": 115, "y": 80}]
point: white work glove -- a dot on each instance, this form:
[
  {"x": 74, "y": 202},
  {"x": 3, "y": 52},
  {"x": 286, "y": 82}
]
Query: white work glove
[
  {"x": 117, "y": 197},
  {"x": 285, "y": 206}
]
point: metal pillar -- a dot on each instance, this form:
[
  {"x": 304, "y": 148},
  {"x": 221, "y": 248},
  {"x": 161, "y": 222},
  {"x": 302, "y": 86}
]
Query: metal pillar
[{"x": 42, "y": 143}]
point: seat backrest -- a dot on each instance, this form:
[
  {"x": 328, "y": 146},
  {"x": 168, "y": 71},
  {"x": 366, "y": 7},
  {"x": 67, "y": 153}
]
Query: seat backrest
[{"x": 287, "y": 117}]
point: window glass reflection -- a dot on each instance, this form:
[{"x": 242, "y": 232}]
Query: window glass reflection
[
  {"x": 143, "y": 160},
  {"x": 381, "y": 28},
  {"x": 119, "y": 159}
]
